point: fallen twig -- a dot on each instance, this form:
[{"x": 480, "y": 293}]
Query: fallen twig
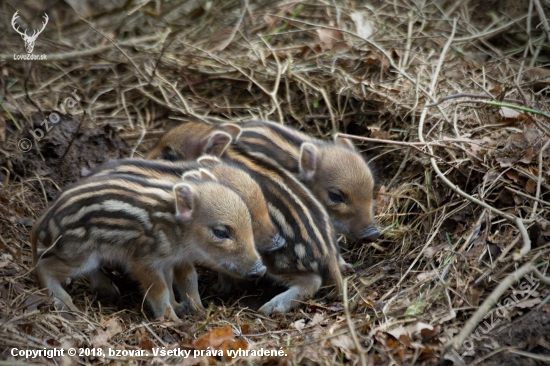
[
  {"x": 492, "y": 32},
  {"x": 542, "y": 17},
  {"x": 534, "y": 356},
  {"x": 539, "y": 179},
  {"x": 396, "y": 142},
  {"x": 351, "y": 327},
  {"x": 469, "y": 95},
  {"x": 526, "y": 248}
]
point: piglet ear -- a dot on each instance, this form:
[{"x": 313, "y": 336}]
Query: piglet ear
[
  {"x": 192, "y": 176},
  {"x": 208, "y": 160},
  {"x": 232, "y": 129},
  {"x": 343, "y": 142},
  {"x": 309, "y": 160},
  {"x": 216, "y": 143},
  {"x": 206, "y": 175},
  {"x": 185, "y": 201}
]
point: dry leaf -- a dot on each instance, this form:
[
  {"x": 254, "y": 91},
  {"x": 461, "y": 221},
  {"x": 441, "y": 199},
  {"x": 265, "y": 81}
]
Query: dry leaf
[
  {"x": 33, "y": 301},
  {"x": 527, "y": 156},
  {"x": 531, "y": 186},
  {"x": 240, "y": 344},
  {"x": 431, "y": 251},
  {"x": 214, "y": 338},
  {"x": 509, "y": 113},
  {"x": 218, "y": 336},
  {"x": 426, "y": 353},
  {"x": 318, "y": 318},
  {"x": 144, "y": 341},
  {"x": 513, "y": 175},
  {"x": 335, "y": 308},
  {"x": 232, "y": 346},
  {"x": 100, "y": 340},
  {"x": 363, "y": 27},
  {"x": 473, "y": 296},
  {"x": 392, "y": 343},
  {"x": 330, "y": 38},
  {"x": 405, "y": 340},
  {"x": 299, "y": 324},
  {"x": 112, "y": 326},
  {"x": 370, "y": 59},
  {"x": 533, "y": 170},
  {"x": 406, "y": 334},
  {"x": 345, "y": 343},
  {"x": 506, "y": 162},
  {"x": 426, "y": 275}
]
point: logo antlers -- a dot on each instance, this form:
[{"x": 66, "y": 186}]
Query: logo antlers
[{"x": 29, "y": 40}]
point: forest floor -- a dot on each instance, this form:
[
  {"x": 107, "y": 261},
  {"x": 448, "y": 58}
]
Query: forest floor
[{"x": 447, "y": 100}]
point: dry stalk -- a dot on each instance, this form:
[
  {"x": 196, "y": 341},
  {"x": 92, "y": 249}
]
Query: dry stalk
[
  {"x": 543, "y": 20},
  {"x": 526, "y": 248},
  {"x": 470, "y": 95},
  {"x": 351, "y": 327},
  {"x": 490, "y": 33}
]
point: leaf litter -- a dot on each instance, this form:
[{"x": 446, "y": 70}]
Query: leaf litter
[{"x": 440, "y": 255}]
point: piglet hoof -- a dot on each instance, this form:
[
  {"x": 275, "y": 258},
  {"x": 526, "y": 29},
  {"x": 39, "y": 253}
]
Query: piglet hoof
[
  {"x": 168, "y": 314},
  {"x": 274, "y": 307},
  {"x": 181, "y": 311},
  {"x": 346, "y": 268},
  {"x": 266, "y": 309},
  {"x": 191, "y": 307},
  {"x": 65, "y": 308}
]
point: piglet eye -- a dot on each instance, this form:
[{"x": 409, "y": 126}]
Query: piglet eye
[
  {"x": 335, "y": 197},
  {"x": 221, "y": 233},
  {"x": 168, "y": 154}
]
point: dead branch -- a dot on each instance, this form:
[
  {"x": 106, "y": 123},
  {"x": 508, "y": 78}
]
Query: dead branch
[
  {"x": 350, "y": 325},
  {"x": 470, "y": 95}
]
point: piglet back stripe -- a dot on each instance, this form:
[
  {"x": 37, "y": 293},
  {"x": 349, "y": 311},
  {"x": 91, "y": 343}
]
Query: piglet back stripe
[
  {"x": 145, "y": 167},
  {"x": 294, "y": 137},
  {"x": 316, "y": 220}
]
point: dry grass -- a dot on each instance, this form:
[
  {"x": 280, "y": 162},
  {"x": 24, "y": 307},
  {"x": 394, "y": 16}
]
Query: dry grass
[{"x": 463, "y": 187}]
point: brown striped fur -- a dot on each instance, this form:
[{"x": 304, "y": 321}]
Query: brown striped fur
[
  {"x": 311, "y": 255},
  {"x": 266, "y": 237},
  {"x": 335, "y": 172},
  {"x": 156, "y": 231}
]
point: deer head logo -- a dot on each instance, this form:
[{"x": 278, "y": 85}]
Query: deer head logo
[{"x": 29, "y": 40}]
